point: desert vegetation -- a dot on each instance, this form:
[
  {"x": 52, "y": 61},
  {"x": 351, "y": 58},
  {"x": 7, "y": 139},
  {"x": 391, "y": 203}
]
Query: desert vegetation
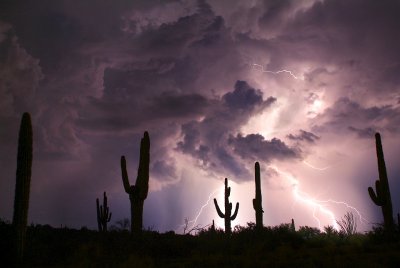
[{"x": 254, "y": 245}]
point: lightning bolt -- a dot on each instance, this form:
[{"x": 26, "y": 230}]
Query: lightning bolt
[
  {"x": 194, "y": 221},
  {"x": 261, "y": 68},
  {"x": 317, "y": 205},
  {"x": 314, "y": 167}
]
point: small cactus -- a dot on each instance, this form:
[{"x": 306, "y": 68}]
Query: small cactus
[
  {"x": 228, "y": 209},
  {"x": 257, "y": 202},
  {"x": 382, "y": 196},
  {"x": 138, "y": 192},
  {"x": 213, "y": 227},
  {"x": 292, "y": 226},
  {"x": 103, "y": 214},
  {"x": 22, "y": 185}
]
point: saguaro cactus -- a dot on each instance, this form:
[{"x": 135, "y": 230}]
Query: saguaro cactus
[
  {"x": 292, "y": 226},
  {"x": 382, "y": 196},
  {"x": 228, "y": 209},
  {"x": 103, "y": 214},
  {"x": 257, "y": 202},
  {"x": 22, "y": 185},
  {"x": 138, "y": 192}
]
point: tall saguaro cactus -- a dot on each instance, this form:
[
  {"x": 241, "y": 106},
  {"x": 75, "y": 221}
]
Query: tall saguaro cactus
[
  {"x": 228, "y": 209},
  {"x": 103, "y": 214},
  {"x": 382, "y": 195},
  {"x": 138, "y": 192},
  {"x": 22, "y": 185},
  {"x": 257, "y": 202}
]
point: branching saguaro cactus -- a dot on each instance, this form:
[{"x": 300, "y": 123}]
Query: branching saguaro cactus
[
  {"x": 22, "y": 185},
  {"x": 103, "y": 214},
  {"x": 382, "y": 195},
  {"x": 138, "y": 192},
  {"x": 257, "y": 202},
  {"x": 228, "y": 209}
]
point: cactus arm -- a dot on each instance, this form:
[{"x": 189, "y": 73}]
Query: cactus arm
[
  {"x": 142, "y": 180},
  {"x": 105, "y": 208},
  {"x": 235, "y": 213},
  {"x": 374, "y": 197},
  {"x": 222, "y": 215},
  {"x": 98, "y": 215},
  {"x": 125, "y": 178}
]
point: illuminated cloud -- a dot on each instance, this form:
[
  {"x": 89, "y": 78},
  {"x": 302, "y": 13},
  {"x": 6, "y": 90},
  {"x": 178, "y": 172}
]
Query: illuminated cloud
[
  {"x": 94, "y": 75},
  {"x": 304, "y": 136}
]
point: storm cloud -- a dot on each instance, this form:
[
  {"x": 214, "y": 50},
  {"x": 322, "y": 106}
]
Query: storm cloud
[{"x": 218, "y": 85}]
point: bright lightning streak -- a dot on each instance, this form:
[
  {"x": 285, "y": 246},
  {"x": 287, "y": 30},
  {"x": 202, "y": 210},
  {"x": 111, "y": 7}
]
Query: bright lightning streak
[
  {"x": 316, "y": 168},
  {"x": 203, "y": 206},
  {"x": 194, "y": 221},
  {"x": 362, "y": 219},
  {"x": 308, "y": 200},
  {"x": 258, "y": 66},
  {"x": 317, "y": 205}
]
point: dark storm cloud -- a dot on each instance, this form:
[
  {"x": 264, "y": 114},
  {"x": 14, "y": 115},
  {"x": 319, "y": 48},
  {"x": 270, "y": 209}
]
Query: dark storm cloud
[
  {"x": 255, "y": 147},
  {"x": 275, "y": 14},
  {"x": 243, "y": 97},
  {"x": 348, "y": 115},
  {"x": 160, "y": 79},
  {"x": 209, "y": 139},
  {"x": 366, "y": 133},
  {"x": 304, "y": 136},
  {"x": 96, "y": 74},
  {"x": 124, "y": 112},
  {"x": 341, "y": 32},
  {"x": 20, "y": 74},
  {"x": 54, "y": 30}
]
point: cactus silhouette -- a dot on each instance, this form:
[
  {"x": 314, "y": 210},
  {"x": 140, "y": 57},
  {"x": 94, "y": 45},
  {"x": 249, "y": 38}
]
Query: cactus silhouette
[
  {"x": 22, "y": 185},
  {"x": 257, "y": 202},
  {"x": 228, "y": 209},
  {"x": 292, "y": 226},
  {"x": 398, "y": 222},
  {"x": 382, "y": 195},
  {"x": 103, "y": 214},
  {"x": 138, "y": 192}
]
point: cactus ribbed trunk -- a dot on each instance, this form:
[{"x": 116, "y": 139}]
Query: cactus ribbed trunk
[
  {"x": 103, "y": 214},
  {"x": 257, "y": 202},
  {"x": 137, "y": 212},
  {"x": 292, "y": 226},
  {"x": 22, "y": 185},
  {"x": 382, "y": 196},
  {"x": 228, "y": 217},
  {"x": 138, "y": 192}
]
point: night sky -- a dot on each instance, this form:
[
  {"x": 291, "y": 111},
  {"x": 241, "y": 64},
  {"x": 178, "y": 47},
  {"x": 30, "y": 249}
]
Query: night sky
[{"x": 300, "y": 86}]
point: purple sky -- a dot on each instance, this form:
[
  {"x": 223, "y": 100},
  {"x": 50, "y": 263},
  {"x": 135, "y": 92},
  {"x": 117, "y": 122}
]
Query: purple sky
[{"x": 300, "y": 86}]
